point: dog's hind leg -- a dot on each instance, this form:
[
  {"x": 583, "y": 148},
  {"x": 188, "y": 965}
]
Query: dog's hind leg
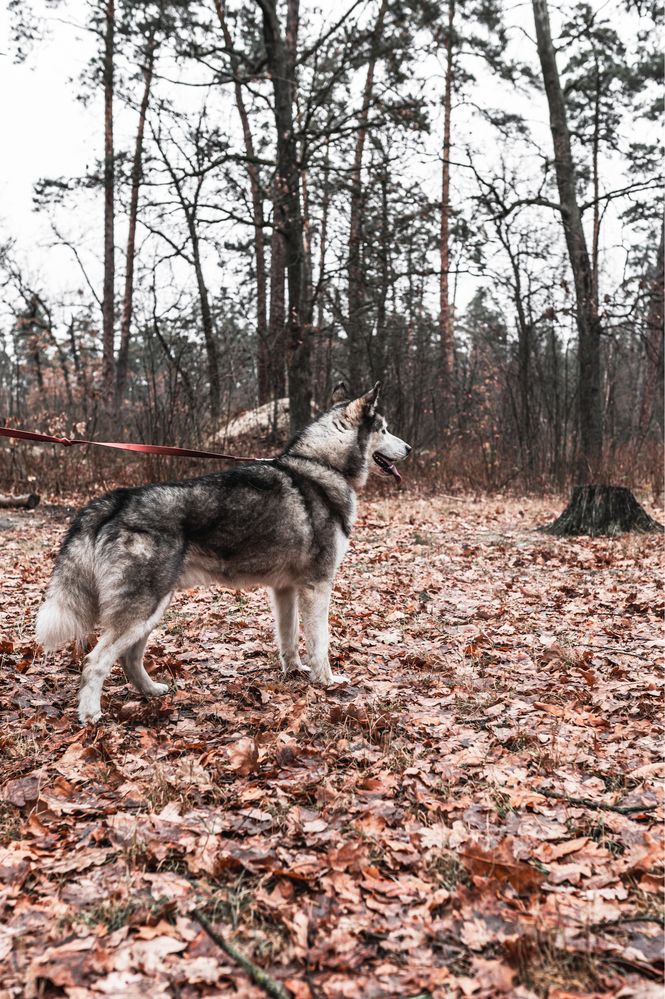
[
  {"x": 314, "y": 603},
  {"x": 115, "y": 642},
  {"x": 285, "y": 610},
  {"x": 132, "y": 664}
]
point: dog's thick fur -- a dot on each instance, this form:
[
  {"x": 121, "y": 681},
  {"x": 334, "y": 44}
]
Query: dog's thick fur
[{"x": 282, "y": 523}]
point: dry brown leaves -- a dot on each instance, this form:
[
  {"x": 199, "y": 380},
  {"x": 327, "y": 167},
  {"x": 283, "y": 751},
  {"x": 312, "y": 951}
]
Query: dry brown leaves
[{"x": 386, "y": 838}]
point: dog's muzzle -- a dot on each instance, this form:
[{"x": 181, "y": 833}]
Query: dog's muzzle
[{"x": 386, "y": 466}]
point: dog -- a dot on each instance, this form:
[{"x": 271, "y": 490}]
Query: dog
[{"x": 282, "y": 523}]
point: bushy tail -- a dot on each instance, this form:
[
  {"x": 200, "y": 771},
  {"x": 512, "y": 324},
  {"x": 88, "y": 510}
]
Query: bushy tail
[
  {"x": 70, "y": 610},
  {"x": 57, "y": 624}
]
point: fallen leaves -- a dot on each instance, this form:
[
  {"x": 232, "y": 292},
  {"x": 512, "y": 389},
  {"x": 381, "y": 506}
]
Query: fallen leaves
[
  {"x": 500, "y": 865},
  {"x": 389, "y": 838},
  {"x": 243, "y": 757}
]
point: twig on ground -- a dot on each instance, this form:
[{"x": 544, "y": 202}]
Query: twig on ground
[
  {"x": 587, "y": 803},
  {"x": 609, "y": 923},
  {"x": 258, "y": 975},
  {"x": 609, "y": 648}
]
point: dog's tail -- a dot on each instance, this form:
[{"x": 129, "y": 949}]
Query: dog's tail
[{"x": 70, "y": 610}]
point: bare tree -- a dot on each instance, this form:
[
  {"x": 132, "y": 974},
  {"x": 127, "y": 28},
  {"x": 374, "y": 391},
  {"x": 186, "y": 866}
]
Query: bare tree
[
  {"x": 190, "y": 208},
  {"x": 281, "y": 51},
  {"x": 355, "y": 325},
  {"x": 108, "y": 303},
  {"x": 588, "y": 322},
  {"x": 264, "y": 359},
  {"x": 654, "y": 342},
  {"x": 137, "y": 171},
  {"x": 445, "y": 310}
]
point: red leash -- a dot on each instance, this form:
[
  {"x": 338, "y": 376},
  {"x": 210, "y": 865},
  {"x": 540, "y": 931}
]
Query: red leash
[{"x": 179, "y": 452}]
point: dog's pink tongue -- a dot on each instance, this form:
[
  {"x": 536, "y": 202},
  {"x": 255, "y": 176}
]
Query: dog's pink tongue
[{"x": 393, "y": 471}]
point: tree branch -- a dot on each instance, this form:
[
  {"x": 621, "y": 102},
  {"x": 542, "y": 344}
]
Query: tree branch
[
  {"x": 258, "y": 975},
  {"x": 597, "y": 805}
]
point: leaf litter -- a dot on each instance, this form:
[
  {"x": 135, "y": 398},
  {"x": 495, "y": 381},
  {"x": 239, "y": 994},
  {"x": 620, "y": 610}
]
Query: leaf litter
[{"x": 389, "y": 837}]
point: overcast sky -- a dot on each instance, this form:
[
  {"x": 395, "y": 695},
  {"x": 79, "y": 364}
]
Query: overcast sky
[{"x": 47, "y": 132}]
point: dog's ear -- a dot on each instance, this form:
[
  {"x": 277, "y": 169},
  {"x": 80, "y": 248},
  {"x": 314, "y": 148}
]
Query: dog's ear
[
  {"x": 365, "y": 406},
  {"x": 340, "y": 393},
  {"x": 372, "y": 399}
]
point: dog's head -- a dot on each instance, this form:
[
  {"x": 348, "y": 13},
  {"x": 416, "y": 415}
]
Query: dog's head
[{"x": 352, "y": 437}]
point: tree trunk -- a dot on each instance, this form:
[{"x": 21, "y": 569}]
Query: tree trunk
[
  {"x": 379, "y": 355},
  {"x": 128, "y": 298},
  {"x": 445, "y": 314},
  {"x": 588, "y": 323},
  {"x": 355, "y": 327},
  {"x": 281, "y": 55},
  {"x": 263, "y": 360},
  {"x": 307, "y": 234},
  {"x": 602, "y": 510},
  {"x": 109, "y": 216},
  {"x": 276, "y": 350},
  {"x": 322, "y": 344},
  {"x": 595, "y": 173},
  {"x": 524, "y": 324},
  {"x": 214, "y": 388},
  {"x": 654, "y": 342}
]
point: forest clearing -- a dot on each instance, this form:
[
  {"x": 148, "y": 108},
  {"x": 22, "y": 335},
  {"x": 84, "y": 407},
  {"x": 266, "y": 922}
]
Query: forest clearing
[
  {"x": 477, "y": 813},
  {"x": 419, "y": 238}
]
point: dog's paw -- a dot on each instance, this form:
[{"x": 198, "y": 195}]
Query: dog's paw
[
  {"x": 157, "y": 690},
  {"x": 338, "y": 678},
  {"x": 89, "y": 714},
  {"x": 294, "y": 666},
  {"x": 326, "y": 678}
]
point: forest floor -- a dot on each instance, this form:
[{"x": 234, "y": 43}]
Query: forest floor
[{"x": 478, "y": 813}]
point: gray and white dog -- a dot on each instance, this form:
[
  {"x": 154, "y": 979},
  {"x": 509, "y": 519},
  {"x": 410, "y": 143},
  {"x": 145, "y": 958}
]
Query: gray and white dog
[{"x": 282, "y": 523}]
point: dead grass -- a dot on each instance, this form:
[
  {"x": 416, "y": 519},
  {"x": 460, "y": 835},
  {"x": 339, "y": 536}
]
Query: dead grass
[{"x": 544, "y": 966}]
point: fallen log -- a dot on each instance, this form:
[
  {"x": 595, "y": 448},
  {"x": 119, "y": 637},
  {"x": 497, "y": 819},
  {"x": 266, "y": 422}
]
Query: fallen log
[{"x": 28, "y": 502}]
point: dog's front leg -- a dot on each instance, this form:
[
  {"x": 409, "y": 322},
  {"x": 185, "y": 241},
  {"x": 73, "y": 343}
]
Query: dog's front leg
[
  {"x": 314, "y": 603},
  {"x": 285, "y": 609}
]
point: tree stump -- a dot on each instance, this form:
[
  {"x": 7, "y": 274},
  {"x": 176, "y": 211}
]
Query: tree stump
[{"x": 602, "y": 511}]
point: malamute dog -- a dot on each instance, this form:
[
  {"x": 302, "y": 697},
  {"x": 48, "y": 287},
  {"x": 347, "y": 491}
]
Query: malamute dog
[{"x": 282, "y": 523}]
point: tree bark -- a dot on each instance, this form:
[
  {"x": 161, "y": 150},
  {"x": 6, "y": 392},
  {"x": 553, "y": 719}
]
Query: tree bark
[
  {"x": 524, "y": 343},
  {"x": 214, "y": 387},
  {"x": 588, "y": 322},
  {"x": 654, "y": 342},
  {"x": 109, "y": 208},
  {"x": 595, "y": 173},
  {"x": 281, "y": 56},
  {"x": 356, "y": 284},
  {"x": 445, "y": 313},
  {"x": 602, "y": 511},
  {"x": 263, "y": 360},
  {"x": 322, "y": 344},
  {"x": 137, "y": 164},
  {"x": 276, "y": 349}
]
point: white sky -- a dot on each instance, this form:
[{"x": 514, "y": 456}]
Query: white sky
[{"x": 48, "y": 133}]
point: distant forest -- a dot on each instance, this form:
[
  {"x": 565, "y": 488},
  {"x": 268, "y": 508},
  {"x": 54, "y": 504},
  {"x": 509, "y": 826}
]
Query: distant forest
[{"x": 430, "y": 194}]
